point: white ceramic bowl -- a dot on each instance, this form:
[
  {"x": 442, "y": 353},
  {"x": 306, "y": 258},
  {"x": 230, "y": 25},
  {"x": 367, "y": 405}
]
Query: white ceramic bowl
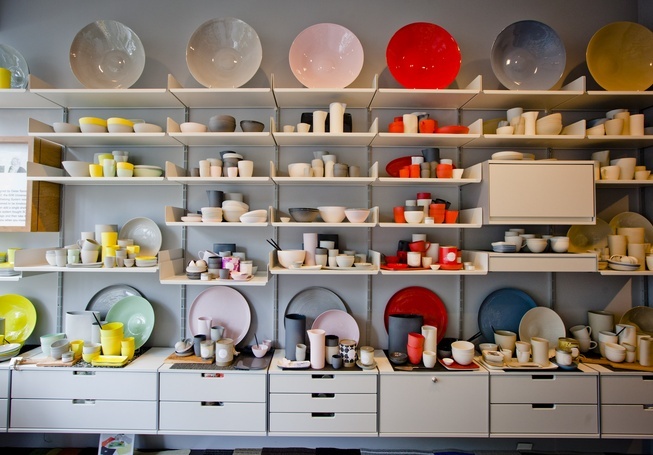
[
  {"x": 615, "y": 352},
  {"x": 536, "y": 245},
  {"x": 414, "y": 217},
  {"x": 76, "y": 168},
  {"x": 560, "y": 244},
  {"x": 332, "y": 214},
  {"x": 193, "y": 127},
  {"x": 147, "y": 128},
  {"x": 235, "y": 205},
  {"x": 232, "y": 215},
  {"x": 462, "y": 352},
  {"x": 120, "y": 125},
  {"x": 255, "y": 216},
  {"x": 548, "y": 128},
  {"x": 63, "y": 127},
  {"x": 287, "y": 257},
  {"x": 260, "y": 350},
  {"x": 357, "y": 215},
  {"x": 344, "y": 260}
]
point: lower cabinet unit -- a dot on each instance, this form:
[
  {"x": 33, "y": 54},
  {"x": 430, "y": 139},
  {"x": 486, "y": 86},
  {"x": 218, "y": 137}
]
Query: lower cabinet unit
[
  {"x": 431, "y": 403},
  {"x": 212, "y": 401},
  {"x": 4, "y": 396},
  {"x": 86, "y": 399},
  {"x": 626, "y": 403},
  {"x": 323, "y": 402},
  {"x": 545, "y": 404}
]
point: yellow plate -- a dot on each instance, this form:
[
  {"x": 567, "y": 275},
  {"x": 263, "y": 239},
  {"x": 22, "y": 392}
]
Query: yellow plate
[
  {"x": 20, "y": 317},
  {"x": 109, "y": 361},
  {"x": 619, "y": 56}
]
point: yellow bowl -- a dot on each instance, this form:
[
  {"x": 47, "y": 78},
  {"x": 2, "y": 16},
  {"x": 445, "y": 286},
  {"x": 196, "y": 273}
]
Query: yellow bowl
[
  {"x": 92, "y": 121},
  {"x": 124, "y": 165},
  {"x": 119, "y": 121},
  {"x": 112, "y": 329},
  {"x": 89, "y": 357}
]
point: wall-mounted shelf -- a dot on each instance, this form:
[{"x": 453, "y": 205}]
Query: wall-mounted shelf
[
  {"x": 40, "y": 173},
  {"x": 472, "y": 174},
  {"x": 542, "y": 262},
  {"x": 221, "y": 139},
  {"x": 174, "y": 214},
  {"x": 178, "y": 174},
  {"x": 467, "y": 218},
  {"x": 478, "y": 259},
  {"x": 277, "y": 269},
  {"x": 283, "y": 180},
  {"x": 372, "y": 220},
  {"x": 221, "y": 97}
]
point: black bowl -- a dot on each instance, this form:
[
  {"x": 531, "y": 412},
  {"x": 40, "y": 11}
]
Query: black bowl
[{"x": 304, "y": 215}]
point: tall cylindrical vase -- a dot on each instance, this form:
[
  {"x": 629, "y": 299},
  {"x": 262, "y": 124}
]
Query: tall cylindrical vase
[
  {"x": 399, "y": 326},
  {"x": 310, "y": 243},
  {"x": 295, "y": 329},
  {"x": 316, "y": 339},
  {"x": 336, "y": 117}
]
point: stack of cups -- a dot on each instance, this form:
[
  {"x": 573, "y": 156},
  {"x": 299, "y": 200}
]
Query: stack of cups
[
  {"x": 111, "y": 336},
  {"x": 415, "y": 347},
  {"x": 331, "y": 347}
]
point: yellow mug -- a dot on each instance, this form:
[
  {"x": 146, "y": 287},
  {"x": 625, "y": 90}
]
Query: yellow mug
[
  {"x": 109, "y": 238},
  {"x": 95, "y": 170},
  {"x": 5, "y": 78},
  {"x": 104, "y": 156},
  {"x": 133, "y": 250},
  {"x": 76, "y": 346},
  {"x": 127, "y": 347}
]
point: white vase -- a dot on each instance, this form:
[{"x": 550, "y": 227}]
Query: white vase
[
  {"x": 336, "y": 117},
  {"x": 316, "y": 340}
]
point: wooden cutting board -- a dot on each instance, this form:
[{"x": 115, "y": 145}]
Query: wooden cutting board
[
  {"x": 174, "y": 358},
  {"x": 51, "y": 362},
  {"x": 620, "y": 366}
]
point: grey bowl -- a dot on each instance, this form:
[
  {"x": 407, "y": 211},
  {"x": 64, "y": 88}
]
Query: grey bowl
[
  {"x": 251, "y": 126},
  {"x": 304, "y": 215}
]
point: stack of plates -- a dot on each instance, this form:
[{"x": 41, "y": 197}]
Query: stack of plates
[
  {"x": 146, "y": 261},
  {"x": 507, "y": 156},
  {"x": 503, "y": 247},
  {"x": 7, "y": 269},
  {"x": 142, "y": 170}
]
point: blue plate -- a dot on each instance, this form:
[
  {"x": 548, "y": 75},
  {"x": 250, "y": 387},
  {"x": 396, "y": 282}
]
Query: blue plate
[{"x": 503, "y": 310}]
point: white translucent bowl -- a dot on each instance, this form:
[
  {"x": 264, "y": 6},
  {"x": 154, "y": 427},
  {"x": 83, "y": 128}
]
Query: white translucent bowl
[
  {"x": 147, "y": 128},
  {"x": 414, "y": 217},
  {"x": 63, "y": 127},
  {"x": 332, "y": 214},
  {"x": 536, "y": 245},
  {"x": 357, "y": 215},
  {"x": 287, "y": 257},
  {"x": 232, "y": 215},
  {"x": 76, "y": 168},
  {"x": 192, "y": 127}
]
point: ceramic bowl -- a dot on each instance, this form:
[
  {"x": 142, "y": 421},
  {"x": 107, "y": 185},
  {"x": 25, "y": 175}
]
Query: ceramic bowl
[
  {"x": 303, "y": 215},
  {"x": 192, "y": 127},
  {"x": 560, "y": 244},
  {"x": 251, "y": 126},
  {"x": 120, "y": 125},
  {"x": 233, "y": 214},
  {"x": 357, "y": 215},
  {"x": 255, "y": 216},
  {"x": 415, "y": 217},
  {"x": 147, "y": 128},
  {"x": 222, "y": 124},
  {"x": 536, "y": 245},
  {"x": 332, "y": 214},
  {"x": 462, "y": 352},
  {"x": 344, "y": 260},
  {"x": 613, "y": 352},
  {"x": 287, "y": 257},
  {"x": 260, "y": 350},
  {"x": 398, "y": 358},
  {"x": 76, "y": 168},
  {"x": 147, "y": 171},
  {"x": 92, "y": 125},
  {"x": 63, "y": 127}
]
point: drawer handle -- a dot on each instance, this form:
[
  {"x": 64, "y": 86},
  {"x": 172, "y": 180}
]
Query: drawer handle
[
  {"x": 322, "y": 376},
  {"x": 543, "y": 406},
  {"x": 434, "y": 379},
  {"x": 83, "y": 373},
  {"x": 647, "y": 378},
  {"x": 543, "y": 377},
  {"x": 648, "y": 407},
  {"x": 323, "y": 395},
  {"x": 83, "y": 401},
  {"x": 212, "y": 403},
  {"x": 213, "y": 375},
  {"x": 323, "y": 415}
]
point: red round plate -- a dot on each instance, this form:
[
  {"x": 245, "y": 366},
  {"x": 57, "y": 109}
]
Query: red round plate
[
  {"x": 418, "y": 300},
  {"x": 396, "y": 266},
  {"x": 394, "y": 166},
  {"x": 452, "y": 129},
  {"x": 423, "y": 55}
]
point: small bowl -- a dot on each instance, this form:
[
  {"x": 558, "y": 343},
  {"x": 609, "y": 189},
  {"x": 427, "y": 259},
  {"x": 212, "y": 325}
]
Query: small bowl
[
  {"x": 332, "y": 214},
  {"x": 398, "y": 358},
  {"x": 63, "y": 127},
  {"x": 357, "y": 215},
  {"x": 260, "y": 350},
  {"x": 284, "y": 219},
  {"x": 415, "y": 217},
  {"x": 536, "y": 245},
  {"x": 233, "y": 215},
  {"x": 147, "y": 171},
  {"x": 120, "y": 125},
  {"x": 344, "y": 260},
  {"x": 287, "y": 257},
  {"x": 251, "y": 126},
  {"x": 435, "y": 266},
  {"x": 560, "y": 244},
  {"x": 192, "y": 127},
  {"x": 92, "y": 125},
  {"x": 222, "y": 124},
  {"x": 304, "y": 215},
  {"x": 613, "y": 352},
  {"x": 147, "y": 128},
  {"x": 76, "y": 168}
]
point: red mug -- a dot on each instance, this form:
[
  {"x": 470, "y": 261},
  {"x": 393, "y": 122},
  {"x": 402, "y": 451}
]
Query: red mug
[
  {"x": 419, "y": 246},
  {"x": 427, "y": 125},
  {"x": 437, "y": 212},
  {"x": 444, "y": 171},
  {"x": 415, "y": 339},
  {"x": 414, "y": 354}
]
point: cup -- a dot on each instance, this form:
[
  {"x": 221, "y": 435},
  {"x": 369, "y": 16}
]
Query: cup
[
  {"x": 505, "y": 339},
  {"x": 540, "y": 348},
  {"x": 411, "y": 123},
  {"x": 203, "y": 326},
  {"x": 429, "y": 358},
  {"x": 300, "y": 352},
  {"x": 367, "y": 355},
  {"x": 627, "y": 334},
  {"x": 430, "y": 334},
  {"x": 626, "y": 167},
  {"x": 414, "y": 259},
  {"x": 507, "y": 355},
  {"x": 336, "y": 361},
  {"x": 303, "y": 127},
  {"x": 448, "y": 255},
  {"x": 606, "y": 336},
  {"x": 599, "y": 320},
  {"x": 523, "y": 356},
  {"x": 636, "y": 125},
  {"x": 610, "y": 173},
  {"x": 207, "y": 349},
  {"x": 319, "y": 121},
  {"x": 217, "y": 331},
  {"x": 398, "y": 213},
  {"x": 95, "y": 170},
  {"x": 348, "y": 352},
  {"x": 224, "y": 352},
  {"x": 563, "y": 357},
  {"x": 288, "y": 128},
  {"x": 614, "y": 127},
  {"x": 645, "y": 350},
  {"x": 127, "y": 347},
  {"x": 5, "y": 78},
  {"x": 197, "y": 346},
  {"x": 617, "y": 244}
]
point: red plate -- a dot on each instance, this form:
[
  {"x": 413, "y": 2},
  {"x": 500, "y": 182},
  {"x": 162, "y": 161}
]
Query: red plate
[
  {"x": 456, "y": 366},
  {"x": 395, "y": 266},
  {"x": 418, "y": 300},
  {"x": 423, "y": 55},
  {"x": 451, "y": 266},
  {"x": 452, "y": 129},
  {"x": 394, "y": 166}
]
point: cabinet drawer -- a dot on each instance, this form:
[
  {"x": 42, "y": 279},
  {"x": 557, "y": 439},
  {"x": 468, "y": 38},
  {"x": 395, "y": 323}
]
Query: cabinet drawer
[
  {"x": 543, "y": 388},
  {"x": 306, "y": 422},
  {"x": 212, "y": 416},
  {"x": 627, "y": 389},
  {"x": 544, "y": 419},
  {"x": 323, "y": 402},
  {"x": 627, "y": 419},
  {"x": 4, "y": 413},
  {"x": 542, "y": 262},
  {"x": 72, "y": 384},
  {"x": 323, "y": 383},
  {"x": 203, "y": 386},
  {"x": 4, "y": 383},
  {"x": 436, "y": 405},
  {"x": 76, "y": 415}
]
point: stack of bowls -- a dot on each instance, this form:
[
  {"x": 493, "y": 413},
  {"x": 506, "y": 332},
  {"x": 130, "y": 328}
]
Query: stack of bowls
[
  {"x": 59, "y": 347},
  {"x": 222, "y": 124},
  {"x": 90, "y": 351},
  {"x": 462, "y": 352},
  {"x": 111, "y": 335},
  {"x": 413, "y": 214},
  {"x": 211, "y": 214},
  {"x": 551, "y": 124},
  {"x": 233, "y": 210}
]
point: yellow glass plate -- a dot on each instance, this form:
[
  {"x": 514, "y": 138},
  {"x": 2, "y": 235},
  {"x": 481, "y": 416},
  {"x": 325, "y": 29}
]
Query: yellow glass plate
[
  {"x": 109, "y": 361},
  {"x": 619, "y": 57},
  {"x": 20, "y": 317}
]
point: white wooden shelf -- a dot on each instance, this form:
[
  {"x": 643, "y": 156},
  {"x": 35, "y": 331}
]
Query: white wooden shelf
[
  {"x": 478, "y": 259},
  {"x": 398, "y": 98},
  {"x": 178, "y": 174},
  {"x": 622, "y": 183},
  {"x": 25, "y": 98},
  {"x": 37, "y": 172},
  {"x": 283, "y": 180},
  {"x": 472, "y": 174},
  {"x": 203, "y": 97},
  {"x": 173, "y": 218},
  {"x": 277, "y": 269},
  {"x": 429, "y": 140},
  {"x": 33, "y": 260},
  {"x": 318, "y": 97},
  {"x": 218, "y": 139},
  {"x": 543, "y": 262},
  {"x": 467, "y": 218}
]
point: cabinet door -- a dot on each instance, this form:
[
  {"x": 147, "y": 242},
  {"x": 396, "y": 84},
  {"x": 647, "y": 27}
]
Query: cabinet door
[{"x": 453, "y": 404}]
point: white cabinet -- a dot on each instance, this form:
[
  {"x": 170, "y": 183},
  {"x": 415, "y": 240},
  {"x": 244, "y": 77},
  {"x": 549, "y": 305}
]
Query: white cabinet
[
  {"x": 71, "y": 399},
  {"x": 433, "y": 403},
  {"x": 212, "y": 401},
  {"x": 5, "y": 376},
  {"x": 537, "y": 403},
  {"x": 323, "y": 402}
]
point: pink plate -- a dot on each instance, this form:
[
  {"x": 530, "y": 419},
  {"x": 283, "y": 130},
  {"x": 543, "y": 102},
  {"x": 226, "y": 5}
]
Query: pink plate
[
  {"x": 326, "y": 56},
  {"x": 338, "y": 322},
  {"x": 226, "y": 307},
  {"x": 423, "y": 55}
]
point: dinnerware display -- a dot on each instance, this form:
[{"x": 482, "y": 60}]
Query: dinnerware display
[
  {"x": 106, "y": 298},
  {"x": 12, "y": 60},
  {"x": 224, "y": 52},
  {"x": 313, "y": 301},
  {"x": 542, "y": 322},
  {"x": 422, "y": 301},
  {"x": 619, "y": 56},
  {"x": 424, "y": 56},
  {"x": 19, "y": 315},
  {"x": 107, "y": 54},
  {"x": 528, "y": 55},
  {"x": 338, "y": 322},
  {"x": 503, "y": 309},
  {"x": 226, "y": 307},
  {"x": 145, "y": 234},
  {"x": 137, "y": 316},
  {"x": 326, "y": 56}
]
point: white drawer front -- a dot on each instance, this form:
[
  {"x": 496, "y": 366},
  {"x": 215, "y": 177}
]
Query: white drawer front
[
  {"x": 535, "y": 419},
  {"x": 553, "y": 388},
  {"x": 313, "y": 402},
  {"x": 4, "y": 383},
  {"x": 130, "y": 416},
  {"x": 71, "y": 384},
  {"x": 323, "y": 383},
  {"x": 627, "y": 389},
  {"x": 203, "y": 386},
  {"x": 342, "y": 423},
  {"x": 627, "y": 419},
  {"x": 434, "y": 407},
  {"x": 4, "y": 413},
  {"x": 212, "y": 416}
]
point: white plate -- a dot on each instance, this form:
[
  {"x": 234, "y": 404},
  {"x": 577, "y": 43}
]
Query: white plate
[
  {"x": 632, "y": 219},
  {"x": 622, "y": 267},
  {"x": 145, "y": 233},
  {"x": 338, "y": 322},
  {"x": 542, "y": 322},
  {"x": 226, "y": 307},
  {"x": 507, "y": 156},
  {"x": 90, "y": 265}
]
